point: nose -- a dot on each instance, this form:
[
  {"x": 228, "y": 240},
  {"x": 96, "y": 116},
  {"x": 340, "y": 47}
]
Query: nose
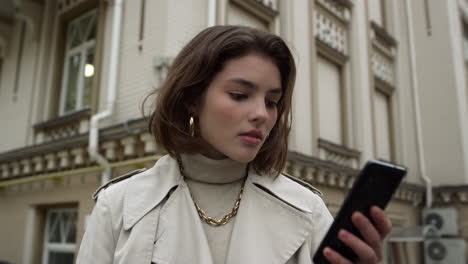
[{"x": 259, "y": 113}]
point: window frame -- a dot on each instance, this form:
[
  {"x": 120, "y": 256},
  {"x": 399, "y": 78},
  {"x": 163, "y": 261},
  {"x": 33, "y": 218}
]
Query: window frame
[
  {"x": 82, "y": 49},
  {"x": 341, "y": 60},
  {"x": 49, "y": 247},
  {"x": 387, "y": 91}
]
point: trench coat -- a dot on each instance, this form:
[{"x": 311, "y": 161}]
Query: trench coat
[{"x": 149, "y": 217}]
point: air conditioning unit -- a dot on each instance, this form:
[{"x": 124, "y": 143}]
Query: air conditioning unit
[
  {"x": 445, "y": 220},
  {"x": 445, "y": 251}
]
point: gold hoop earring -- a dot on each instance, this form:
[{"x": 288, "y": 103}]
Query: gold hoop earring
[{"x": 191, "y": 127}]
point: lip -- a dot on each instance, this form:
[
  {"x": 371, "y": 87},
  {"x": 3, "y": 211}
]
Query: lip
[{"x": 252, "y": 137}]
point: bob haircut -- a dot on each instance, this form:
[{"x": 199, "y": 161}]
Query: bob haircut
[{"x": 191, "y": 73}]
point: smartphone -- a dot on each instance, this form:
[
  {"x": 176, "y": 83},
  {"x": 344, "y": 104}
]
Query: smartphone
[{"x": 375, "y": 185}]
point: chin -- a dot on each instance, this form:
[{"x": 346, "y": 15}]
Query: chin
[{"x": 244, "y": 157}]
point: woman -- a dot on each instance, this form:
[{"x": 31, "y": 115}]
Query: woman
[{"x": 223, "y": 115}]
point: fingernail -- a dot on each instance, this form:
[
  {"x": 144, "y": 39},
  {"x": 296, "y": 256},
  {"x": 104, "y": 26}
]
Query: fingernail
[{"x": 343, "y": 234}]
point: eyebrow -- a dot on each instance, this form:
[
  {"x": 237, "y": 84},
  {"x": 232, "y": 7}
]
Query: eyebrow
[{"x": 253, "y": 86}]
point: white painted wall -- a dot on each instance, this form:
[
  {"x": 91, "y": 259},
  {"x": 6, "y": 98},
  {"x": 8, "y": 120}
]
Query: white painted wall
[{"x": 14, "y": 107}]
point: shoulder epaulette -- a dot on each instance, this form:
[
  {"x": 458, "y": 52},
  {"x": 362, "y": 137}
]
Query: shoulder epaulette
[
  {"x": 303, "y": 183},
  {"x": 114, "y": 181}
]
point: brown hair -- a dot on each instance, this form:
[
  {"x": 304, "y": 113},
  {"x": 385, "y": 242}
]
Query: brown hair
[{"x": 193, "y": 70}]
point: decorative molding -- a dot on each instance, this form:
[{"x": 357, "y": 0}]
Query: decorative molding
[
  {"x": 338, "y": 154},
  {"x": 265, "y": 9},
  {"x": 382, "y": 36},
  {"x": 61, "y": 127},
  {"x": 330, "y": 53},
  {"x": 383, "y": 67},
  {"x": 341, "y": 9},
  {"x": 78, "y": 156},
  {"x": 383, "y": 86},
  {"x": 131, "y": 142},
  {"x": 328, "y": 174},
  {"x": 444, "y": 195},
  {"x": 331, "y": 31},
  {"x": 125, "y": 141},
  {"x": 148, "y": 140}
]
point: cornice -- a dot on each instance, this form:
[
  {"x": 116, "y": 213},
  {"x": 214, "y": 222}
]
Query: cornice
[
  {"x": 328, "y": 174},
  {"x": 382, "y": 35},
  {"x": 445, "y": 195},
  {"x": 130, "y": 140}
]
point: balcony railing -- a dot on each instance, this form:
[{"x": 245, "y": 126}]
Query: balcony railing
[{"x": 62, "y": 127}]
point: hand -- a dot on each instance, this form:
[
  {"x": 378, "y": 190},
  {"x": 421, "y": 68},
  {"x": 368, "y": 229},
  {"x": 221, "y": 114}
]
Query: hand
[{"x": 370, "y": 250}]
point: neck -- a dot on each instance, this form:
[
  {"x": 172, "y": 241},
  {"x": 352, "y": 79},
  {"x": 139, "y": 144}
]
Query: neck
[{"x": 200, "y": 168}]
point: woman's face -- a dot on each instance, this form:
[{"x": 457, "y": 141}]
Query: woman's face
[{"x": 239, "y": 108}]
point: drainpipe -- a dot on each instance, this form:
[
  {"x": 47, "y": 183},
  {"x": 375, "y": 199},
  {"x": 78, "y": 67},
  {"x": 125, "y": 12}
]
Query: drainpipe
[
  {"x": 211, "y": 13},
  {"x": 93, "y": 143},
  {"x": 416, "y": 105}
]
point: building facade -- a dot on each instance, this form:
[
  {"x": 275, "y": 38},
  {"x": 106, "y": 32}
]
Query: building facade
[{"x": 376, "y": 79}]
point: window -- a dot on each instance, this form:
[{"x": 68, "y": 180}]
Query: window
[
  {"x": 330, "y": 101},
  {"x": 331, "y": 112},
  {"x": 331, "y": 35},
  {"x": 60, "y": 236},
  {"x": 79, "y": 63},
  {"x": 383, "y": 127}
]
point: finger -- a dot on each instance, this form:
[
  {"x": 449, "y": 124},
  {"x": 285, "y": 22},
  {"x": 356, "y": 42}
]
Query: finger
[
  {"x": 381, "y": 221},
  {"x": 369, "y": 233},
  {"x": 365, "y": 253},
  {"x": 335, "y": 257}
]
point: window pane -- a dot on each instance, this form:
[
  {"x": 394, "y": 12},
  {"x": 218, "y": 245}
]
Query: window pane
[
  {"x": 382, "y": 125},
  {"x": 88, "y": 77},
  {"x": 54, "y": 227},
  {"x": 329, "y": 101},
  {"x": 60, "y": 258},
  {"x": 73, "y": 36},
  {"x": 91, "y": 33},
  {"x": 72, "y": 82},
  {"x": 70, "y": 235}
]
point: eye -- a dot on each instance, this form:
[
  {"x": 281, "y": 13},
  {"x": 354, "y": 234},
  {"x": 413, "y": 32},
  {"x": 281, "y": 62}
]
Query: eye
[
  {"x": 271, "y": 103},
  {"x": 238, "y": 96}
]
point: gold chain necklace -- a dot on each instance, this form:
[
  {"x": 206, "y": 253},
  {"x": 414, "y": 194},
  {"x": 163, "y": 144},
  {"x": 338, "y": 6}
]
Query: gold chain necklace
[{"x": 225, "y": 219}]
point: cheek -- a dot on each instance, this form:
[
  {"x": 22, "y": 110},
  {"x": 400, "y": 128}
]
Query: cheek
[
  {"x": 227, "y": 112},
  {"x": 273, "y": 119}
]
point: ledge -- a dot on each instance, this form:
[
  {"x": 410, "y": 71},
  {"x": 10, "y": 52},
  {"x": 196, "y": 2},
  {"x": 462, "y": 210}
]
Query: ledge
[
  {"x": 59, "y": 121},
  {"x": 324, "y": 49},
  {"x": 345, "y": 3},
  {"x": 345, "y": 151},
  {"x": 327, "y": 174},
  {"x": 258, "y": 8},
  {"x": 383, "y": 35},
  {"x": 383, "y": 86},
  {"x": 121, "y": 130}
]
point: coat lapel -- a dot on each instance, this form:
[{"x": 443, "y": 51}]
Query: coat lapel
[
  {"x": 268, "y": 229},
  {"x": 180, "y": 237}
]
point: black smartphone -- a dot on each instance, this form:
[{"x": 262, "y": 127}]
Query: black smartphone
[{"x": 375, "y": 185}]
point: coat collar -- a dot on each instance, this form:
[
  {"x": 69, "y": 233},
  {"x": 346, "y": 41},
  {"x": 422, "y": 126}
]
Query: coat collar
[
  {"x": 148, "y": 189},
  {"x": 274, "y": 219}
]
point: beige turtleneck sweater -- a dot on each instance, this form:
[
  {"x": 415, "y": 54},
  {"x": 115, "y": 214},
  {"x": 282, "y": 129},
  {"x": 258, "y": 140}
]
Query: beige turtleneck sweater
[{"x": 215, "y": 186}]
